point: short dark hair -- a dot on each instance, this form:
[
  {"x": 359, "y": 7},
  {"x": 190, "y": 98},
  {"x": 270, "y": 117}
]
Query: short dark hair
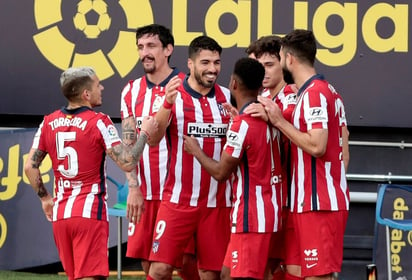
[
  {"x": 76, "y": 79},
  {"x": 250, "y": 72},
  {"x": 203, "y": 43},
  {"x": 251, "y": 49},
  {"x": 268, "y": 44},
  {"x": 302, "y": 44},
  {"x": 165, "y": 36}
]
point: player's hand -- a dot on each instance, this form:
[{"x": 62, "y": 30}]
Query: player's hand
[
  {"x": 171, "y": 89},
  {"x": 135, "y": 204},
  {"x": 149, "y": 126},
  {"x": 256, "y": 110},
  {"x": 231, "y": 109},
  {"x": 272, "y": 110},
  {"x": 47, "y": 205},
  {"x": 190, "y": 144}
]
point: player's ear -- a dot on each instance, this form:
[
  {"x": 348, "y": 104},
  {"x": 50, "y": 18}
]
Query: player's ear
[{"x": 168, "y": 50}]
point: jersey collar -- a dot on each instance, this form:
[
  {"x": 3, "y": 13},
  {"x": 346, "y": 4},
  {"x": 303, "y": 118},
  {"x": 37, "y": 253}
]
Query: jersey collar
[
  {"x": 307, "y": 83},
  {"x": 75, "y": 111},
  {"x": 175, "y": 72}
]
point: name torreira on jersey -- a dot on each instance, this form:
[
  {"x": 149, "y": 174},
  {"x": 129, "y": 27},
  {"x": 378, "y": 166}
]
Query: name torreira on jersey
[
  {"x": 206, "y": 129},
  {"x": 68, "y": 121}
]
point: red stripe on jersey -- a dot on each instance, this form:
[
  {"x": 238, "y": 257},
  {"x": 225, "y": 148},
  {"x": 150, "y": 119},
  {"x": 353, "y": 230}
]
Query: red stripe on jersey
[{"x": 318, "y": 183}]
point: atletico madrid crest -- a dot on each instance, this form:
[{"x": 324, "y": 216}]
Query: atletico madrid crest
[{"x": 155, "y": 246}]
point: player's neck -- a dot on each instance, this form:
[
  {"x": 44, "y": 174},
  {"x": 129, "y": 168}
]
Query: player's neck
[
  {"x": 303, "y": 74},
  {"x": 241, "y": 101},
  {"x": 275, "y": 90},
  {"x": 76, "y": 105},
  {"x": 159, "y": 75}
]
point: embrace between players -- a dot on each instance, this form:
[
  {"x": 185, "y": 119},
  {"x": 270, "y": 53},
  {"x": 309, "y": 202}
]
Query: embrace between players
[{"x": 256, "y": 191}]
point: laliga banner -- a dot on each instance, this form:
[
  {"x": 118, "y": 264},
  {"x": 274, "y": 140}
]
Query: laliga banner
[
  {"x": 397, "y": 205},
  {"x": 26, "y": 237},
  {"x": 363, "y": 46}
]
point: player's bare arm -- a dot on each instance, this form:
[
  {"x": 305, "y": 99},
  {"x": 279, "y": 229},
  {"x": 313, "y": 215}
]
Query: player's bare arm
[
  {"x": 127, "y": 157},
  {"x": 220, "y": 170},
  {"x": 345, "y": 147},
  {"x": 135, "y": 201},
  {"x": 129, "y": 131},
  {"x": 129, "y": 138},
  {"x": 313, "y": 142},
  {"x": 163, "y": 115},
  {"x": 32, "y": 171}
]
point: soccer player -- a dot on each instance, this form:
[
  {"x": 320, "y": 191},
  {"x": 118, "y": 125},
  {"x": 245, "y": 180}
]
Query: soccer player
[
  {"x": 77, "y": 140},
  {"x": 249, "y": 153},
  {"x": 144, "y": 97},
  {"x": 193, "y": 202},
  {"x": 319, "y": 193},
  {"x": 266, "y": 50}
]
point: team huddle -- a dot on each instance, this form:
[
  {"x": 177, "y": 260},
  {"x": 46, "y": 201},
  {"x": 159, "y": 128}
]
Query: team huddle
[{"x": 240, "y": 182}]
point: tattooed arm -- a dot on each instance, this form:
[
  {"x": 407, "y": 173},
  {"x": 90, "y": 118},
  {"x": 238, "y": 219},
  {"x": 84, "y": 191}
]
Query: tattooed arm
[
  {"x": 135, "y": 201},
  {"x": 31, "y": 168},
  {"x": 125, "y": 156}
]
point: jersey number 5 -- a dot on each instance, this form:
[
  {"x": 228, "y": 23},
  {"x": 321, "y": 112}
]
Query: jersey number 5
[{"x": 63, "y": 151}]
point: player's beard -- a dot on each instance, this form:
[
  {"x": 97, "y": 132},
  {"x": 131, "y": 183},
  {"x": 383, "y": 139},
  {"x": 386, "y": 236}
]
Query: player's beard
[
  {"x": 206, "y": 83},
  {"x": 149, "y": 69},
  {"x": 287, "y": 76}
]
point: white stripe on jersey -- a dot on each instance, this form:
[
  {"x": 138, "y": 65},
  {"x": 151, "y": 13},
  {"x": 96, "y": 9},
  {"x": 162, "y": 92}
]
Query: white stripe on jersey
[
  {"x": 88, "y": 203},
  {"x": 197, "y": 168},
  {"x": 260, "y": 210},
  {"x": 123, "y": 106},
  {"x": 59, "y": 198},
  {"x": 275, "y": 208},
  {"x": 331, "y": 187},
  {"x": 37, "y": 136},
  {"x": 239, "y": 193},
  {"x": 344, "y": 183},
  {"x": 70, "y": 202},
  {"x": 177, "y": 188},
  {"x": 301, "y": 175}
]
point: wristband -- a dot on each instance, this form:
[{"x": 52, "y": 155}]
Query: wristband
[{"x": 167, "y": 105}]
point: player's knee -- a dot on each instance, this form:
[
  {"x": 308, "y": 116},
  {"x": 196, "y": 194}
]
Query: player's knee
[{"x": 160, "y": 271}]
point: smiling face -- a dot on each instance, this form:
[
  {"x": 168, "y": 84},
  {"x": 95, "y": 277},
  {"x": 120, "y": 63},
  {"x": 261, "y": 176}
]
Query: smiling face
[
  {"x": 152, "y": 53},
  {"x": 204, "y": 69}
]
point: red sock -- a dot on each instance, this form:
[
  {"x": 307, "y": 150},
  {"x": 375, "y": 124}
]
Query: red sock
[
  {"x": 148, "y": 277},
  {"x": 292, "y": 277}
]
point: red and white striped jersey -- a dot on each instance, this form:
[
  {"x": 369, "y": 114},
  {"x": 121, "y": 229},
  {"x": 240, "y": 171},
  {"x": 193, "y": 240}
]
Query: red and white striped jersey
[
  {"x": 256, "y": 187},
  {"x": 205, "y": 118},
  {"x": 286, "y": 100},
  {"x": 319, "y": 183},
  {"x": 142, "y": 98},
  {"x": 76, "y": 141}
]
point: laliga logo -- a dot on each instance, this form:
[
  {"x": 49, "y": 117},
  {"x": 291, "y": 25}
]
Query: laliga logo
[{"x": 62, "y": 52}]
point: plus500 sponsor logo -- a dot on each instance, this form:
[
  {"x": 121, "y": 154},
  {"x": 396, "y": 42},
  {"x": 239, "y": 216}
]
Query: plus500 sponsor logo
[{"x": 206, "y": 129}]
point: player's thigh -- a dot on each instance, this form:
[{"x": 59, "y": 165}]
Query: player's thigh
[{"x": 175, "y": 226}]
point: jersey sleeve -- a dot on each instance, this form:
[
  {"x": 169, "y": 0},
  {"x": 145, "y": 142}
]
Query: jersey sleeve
[
  {"x": 108, "y": 131},
  {"x": 315, "y": 106},
  {"x": 38, "y": 140},
  {"x": 235, "y": 138}
]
